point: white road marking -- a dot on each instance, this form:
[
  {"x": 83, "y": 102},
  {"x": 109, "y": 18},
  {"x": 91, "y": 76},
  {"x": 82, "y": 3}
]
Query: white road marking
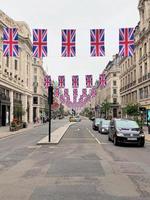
[{"x": 94, "y": 136}]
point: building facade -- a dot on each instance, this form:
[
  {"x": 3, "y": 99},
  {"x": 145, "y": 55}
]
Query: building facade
[
  {"x": 16, "y": 76},
  {"x": 135, "y": 71},
  {"x": 40, "y": 93}
]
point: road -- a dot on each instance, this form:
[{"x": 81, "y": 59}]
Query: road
[{"x": 84, "y": 166}]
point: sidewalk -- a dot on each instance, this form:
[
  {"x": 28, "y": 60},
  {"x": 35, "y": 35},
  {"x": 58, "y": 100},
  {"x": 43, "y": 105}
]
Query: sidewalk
[
  {"x": 4, "y": 131},
  {"x": 147, "y": 136}
]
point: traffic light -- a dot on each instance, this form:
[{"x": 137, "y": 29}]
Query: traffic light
[{"x": 50, "y": 95}]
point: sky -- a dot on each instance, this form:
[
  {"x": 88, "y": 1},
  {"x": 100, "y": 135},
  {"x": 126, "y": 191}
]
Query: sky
[{"x": 81, "y": 15}]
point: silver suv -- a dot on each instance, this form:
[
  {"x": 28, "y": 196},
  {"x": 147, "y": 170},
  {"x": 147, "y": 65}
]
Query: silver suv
[{"x": 126, "y": 131}]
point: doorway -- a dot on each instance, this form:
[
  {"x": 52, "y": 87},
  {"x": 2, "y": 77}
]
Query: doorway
[{"x": 3, "y": 115}]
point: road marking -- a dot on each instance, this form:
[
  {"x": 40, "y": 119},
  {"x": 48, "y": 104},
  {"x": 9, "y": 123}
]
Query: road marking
[{"x": 94, "y": 136}]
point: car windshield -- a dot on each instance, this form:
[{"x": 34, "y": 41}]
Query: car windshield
[
  {"x": 126, "y": 124},
  {"x": 106, "y": 122},
  {"x": 97, "y": 120}
]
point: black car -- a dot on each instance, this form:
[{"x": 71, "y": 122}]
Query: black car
[
  {"x": 104, "y": 126},
  {"x": 126, "y": 131},
  {"x": 96, "y": 123}
]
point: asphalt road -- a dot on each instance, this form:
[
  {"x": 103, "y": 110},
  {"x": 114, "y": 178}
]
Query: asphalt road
[{"x": 84, "y": 166}]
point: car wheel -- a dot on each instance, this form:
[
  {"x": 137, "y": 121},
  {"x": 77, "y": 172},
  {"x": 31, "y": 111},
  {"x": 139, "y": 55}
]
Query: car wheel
[
  {"x": 142, "y": 143},
  {"x": 115, "y": 141}
]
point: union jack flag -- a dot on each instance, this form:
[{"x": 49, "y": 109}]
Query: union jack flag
[
  {"x": 102, "y": 80},
  {"x": 10, "y": 42},
  {"x": 57, "y": 92},
  {"x": 93, "y": 92},
  {"x": 39, "y": 43},
  {"x": 75, "y": 92},
  {"x": 75, "y": 81},
  {"x": 126, "y": 42},
  {"x": 68, "y": 43},
  {"x": 66, "y": 92},
  {"x": 84, "y": 92},
  {"x": 47, "y": 81},
  {"x": 61, "y": 81},
  {"x": 89, "y": 81},
  {"x": 97, "y": 42}
]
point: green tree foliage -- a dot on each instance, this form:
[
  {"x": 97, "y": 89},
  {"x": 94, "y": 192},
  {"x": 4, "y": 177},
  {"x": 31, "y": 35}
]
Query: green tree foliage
[
  {"x": 105, "y": 107},
  {"x": 132, "y": 109}
]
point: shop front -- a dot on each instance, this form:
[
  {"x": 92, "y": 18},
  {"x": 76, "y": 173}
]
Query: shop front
[{"x": 4, "y": 110}]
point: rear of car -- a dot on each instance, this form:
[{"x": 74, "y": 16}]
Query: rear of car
[
  {"x": 126, "y": 131},
  {"x": 96, "y": 123},
  {"x": 104, "y": 126}
]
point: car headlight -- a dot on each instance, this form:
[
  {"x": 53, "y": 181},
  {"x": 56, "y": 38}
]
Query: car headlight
[
  {"x": 103, "y": 129},
  {"x": 120, "y": 134}
]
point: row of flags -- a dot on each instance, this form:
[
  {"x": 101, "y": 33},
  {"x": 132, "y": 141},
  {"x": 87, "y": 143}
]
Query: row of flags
[
  {"x": 68, "y": 49},
  {"x": 76, "y": 102},
  {"x": 75, "y": 81}
]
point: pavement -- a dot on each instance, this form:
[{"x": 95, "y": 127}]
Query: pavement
[
  {"x": 5, "y": 132},
  {"x": 147, "y": 136}
]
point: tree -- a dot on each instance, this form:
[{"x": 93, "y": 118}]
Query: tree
[
  {"x": 132, "y": 110},
  {"x": 61, "y": 110},
  {"x": 105, "y": 107}
]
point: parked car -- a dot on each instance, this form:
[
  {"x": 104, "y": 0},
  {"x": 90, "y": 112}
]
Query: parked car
[
  {"x": 96, "y": 123},
  {"x": 126, "y": 131},
  {"x": 104, "y": 126}
]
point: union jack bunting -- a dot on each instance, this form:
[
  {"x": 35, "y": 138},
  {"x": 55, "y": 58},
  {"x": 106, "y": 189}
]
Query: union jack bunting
[
  {"x": 89, "y": 81},
  {"x": 97, "y": 42},
  {"x": 126, "y": 42},
  {"x": 68, "y": 43},
  {"x": 61, "y": 81},
  {"x": 56, "y": 92},
  {"x": 10, "y": 42},
  {"x": 75, "y": 81},
  {"x": 93, "y": 92},
  {"x": 75, "y": 92},
  {"x": 47, "y": 81},
  {"x": 102, "y": 80},
  {"x": 84, "y": 92},
  {"x": 39, "y": 43},
  {"x": 66, "y": 92}
]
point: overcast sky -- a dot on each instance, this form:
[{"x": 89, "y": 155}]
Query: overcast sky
[{"x": 81, "y": 15}]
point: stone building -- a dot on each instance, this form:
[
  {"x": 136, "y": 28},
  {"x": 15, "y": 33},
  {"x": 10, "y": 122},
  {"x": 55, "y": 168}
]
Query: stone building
[
  {"x": 40, "y": 104},
  {"x": 16, "y": 75},
  {"x": 135, "y": 71},
  {"x": 111, "y": 91}
]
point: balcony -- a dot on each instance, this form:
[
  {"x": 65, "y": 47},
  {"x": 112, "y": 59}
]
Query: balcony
[{"x": 140, "y": 80}]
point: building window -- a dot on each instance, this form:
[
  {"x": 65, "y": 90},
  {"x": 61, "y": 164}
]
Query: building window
[
  {"x": 115, "y": 100},
  {"x": 16, "y": 64},
  {"x": 141, "y": 74},
  {"x": 114, "y": 91},
  {"x": 7, "y": 61},
  {"x": 34, "y": 60},
  {"x": 35, "y": 90},
  {"x": 35, "y": 78},
  {"x": 146, "y": 92},
  {"x": 114, "y": 74},
  {"x": 140, "y": 52},
  {"x": 35, "y": 100},
  {"x": 145, "y": 48},
  {"x": 145, "y": 69},
  {"x": 134, "y": 75},
  {"x": 141, "y": 93},
  {"x": 35, "y": 70},
  {"x": 114, "y": 83}
]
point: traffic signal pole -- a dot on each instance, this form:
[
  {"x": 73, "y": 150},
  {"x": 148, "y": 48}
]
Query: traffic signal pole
[
  {"x": 49, "y": 131},
  {"x": 50, "y": 102}
]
